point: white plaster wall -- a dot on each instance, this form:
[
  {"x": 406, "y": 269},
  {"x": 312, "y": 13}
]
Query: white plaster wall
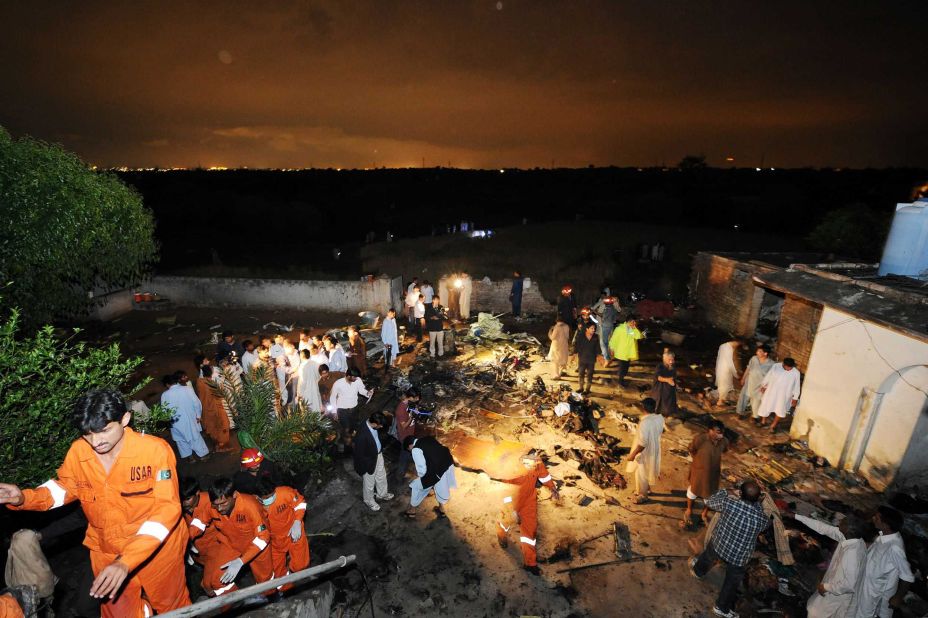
[
  {"x": 848, "y": 355},
  {"x": 275, "y": 293},
  {"x": 112, "y": 305}
]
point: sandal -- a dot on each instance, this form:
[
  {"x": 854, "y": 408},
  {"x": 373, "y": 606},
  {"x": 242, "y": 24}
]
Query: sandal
[
  {"x": 440, "y": 513},
  {"x": 639, "y": 499}
]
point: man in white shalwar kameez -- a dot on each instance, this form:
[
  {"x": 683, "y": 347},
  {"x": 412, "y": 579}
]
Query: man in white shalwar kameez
[
  {"x": 780, "y": 390},
  {"x": 835, "y": 592},
  {"x": 726, "y": 370},
  {"x": 434, "y": 472},
  {"x": 185, "y": 425},
  {"x": 887, "y": 574},
  {"x": 308, "y": 385},
  {"x": 337, "y": 359},
  {"x": 390, "y": 338},
  {"x": 757, "y": 369},
  {"x": 645, "y": 456}
]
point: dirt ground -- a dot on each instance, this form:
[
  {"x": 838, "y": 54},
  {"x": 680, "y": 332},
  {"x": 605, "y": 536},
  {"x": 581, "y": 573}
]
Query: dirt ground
[{"x": 454, "y": 567}]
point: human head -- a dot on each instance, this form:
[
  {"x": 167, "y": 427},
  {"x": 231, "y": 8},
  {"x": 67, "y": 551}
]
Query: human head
[
  {"x": 391, "y": 312},
  {"x": 435, "y": 301},
  {"x": 251, "y": 460},
  {"x": 716, "y": 430},
  {"x": 668, "y": 357},
  {"x": 279, "y": 339},
  {"x": 516, "y": 274},
  {"x": 789, "y": 363},
  {"x": 407, "y": 442},
  {"x": 182, "y": 377},
  {"x": 263, "y": 352},
  {"x": 266, "y": 491},
  {"x": 566, "y": 290},
  {"x": 585, "y": 312},
  {"x": 421, "y": 298},
  {"x": 609, "y": 300},
  {"x": 317, "y": 339},
  {"x": 249, "y": 345},
  {"x": 304, "y": 334},
  {"x": 649, "y": 405},
  {"x": 189, "y": 493},
  {"x": 377, "y": 420},
  {"x": 763, "y": 351},
  {"x": 323, "y": 370},
  {"x": 412, "y": 394},
  {"x": 590, "y": 330},
  {"x": 222, "y": 495},
  {"x": 852, "y": 526},
  {"x": 228, "y": 337},
  {"x": 169, "y": 380},
  {"x": 352, "y": 374},
  {"x": 267, "y": 342},
  {"x": 530, "y": 459},
  {"x": 329, "y": 342},
  {"x": 888, "y": 519},
  {"x": 305, "y": 353},
  {"x": 632, "y": 321},
  {"x": 288, "y": 345},
  {"x": 101, "y": 416},
  {"x": 750, "y": 491},
  {"x": 199, "y": 360}
]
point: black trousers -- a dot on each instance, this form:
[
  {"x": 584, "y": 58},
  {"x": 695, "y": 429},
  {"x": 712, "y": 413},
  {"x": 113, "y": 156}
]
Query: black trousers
[
  {"x": 728, "y": 595},
  {"x": 586, "y": 373},
  {"x": 623, "y": 370}
]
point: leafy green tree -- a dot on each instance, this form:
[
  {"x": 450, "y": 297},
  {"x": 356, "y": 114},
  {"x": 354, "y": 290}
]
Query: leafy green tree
[
  {"x": 67, "y": 230},
  {"x": 40, "y": 377},
  {"x": 855, "y": 231}
]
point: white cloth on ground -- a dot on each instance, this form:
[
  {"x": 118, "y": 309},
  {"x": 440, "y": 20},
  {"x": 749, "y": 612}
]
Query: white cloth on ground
[{"x": 781, "y": 388}]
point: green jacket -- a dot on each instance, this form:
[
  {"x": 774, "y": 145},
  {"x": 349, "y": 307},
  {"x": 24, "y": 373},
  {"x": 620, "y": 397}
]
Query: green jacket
[{"x": 624, "y": 342}]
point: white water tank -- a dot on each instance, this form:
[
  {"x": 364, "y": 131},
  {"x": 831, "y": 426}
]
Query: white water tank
[{"x": 906, "y": 250}]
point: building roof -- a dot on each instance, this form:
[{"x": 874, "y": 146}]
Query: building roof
[
  {"x": 777, "y": 259},
  {"x": 898, "y": 311}
]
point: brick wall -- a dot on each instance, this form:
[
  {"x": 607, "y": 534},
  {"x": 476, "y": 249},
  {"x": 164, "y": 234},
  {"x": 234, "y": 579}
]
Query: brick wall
[
  {"x": 724, "y": 290},
  {"x": 798, "y": 324},
  {"x": 493, "y": 297}
]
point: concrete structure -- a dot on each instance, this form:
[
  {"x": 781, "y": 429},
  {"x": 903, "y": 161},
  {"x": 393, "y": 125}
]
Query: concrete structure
[
  {"x": 861, "y": 342},
  {"x": 493, "y": 297}
]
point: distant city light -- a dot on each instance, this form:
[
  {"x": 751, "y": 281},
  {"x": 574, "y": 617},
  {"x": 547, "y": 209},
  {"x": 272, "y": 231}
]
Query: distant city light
[
  {"x": 730, "y": 159},
  {"x": 757, "y": 168},
  {"x": 502, "y": 171}
]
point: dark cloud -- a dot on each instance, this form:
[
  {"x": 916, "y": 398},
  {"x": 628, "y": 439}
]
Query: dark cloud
[{"x": 474, "y": 84}]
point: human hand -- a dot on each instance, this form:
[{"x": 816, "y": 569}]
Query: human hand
[
  {"x": 109, "y": 581},
  {"x": 231, "y": 568},
  {"x": 296, "y": 531},
  {"x": 11, "y": 494},
  {"x": 821, "y": 588}
]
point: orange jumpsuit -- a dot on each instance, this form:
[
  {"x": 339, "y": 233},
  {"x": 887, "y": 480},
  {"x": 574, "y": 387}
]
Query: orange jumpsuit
[
  {"x": 9, "y": 608},
  {"x": 288, "y": 507},
  {"x": 202, "y": 534},
  {"x": 523, "y": 506},
  {"x": 133, "y": 513},
  {"x": 215, "y": 419},
  {"x": 244, "y": 534}
]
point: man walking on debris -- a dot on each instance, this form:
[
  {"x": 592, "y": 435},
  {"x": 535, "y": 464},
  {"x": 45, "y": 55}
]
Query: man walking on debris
[
  {"x": 127, "y": 485},
  {"x": 753, "y": 376},
  {"x": 608, "y": 316},
  {"x": 434, "y": 470},
  {"x": 727, "y": 370},
  {"x": 741, "y": 520},
  {"x": 390, "y": 337},
  {"x": 567, "y": 308},
  {"x": 523, "y": 508},
  {"x": 368, "y": 462},
  {"x": 624, "y": 346},
  {"x": 645, "y": 456},
  {"x": 586, "y": 346},
  {"x": 560, "y": 352},
  {"x": 706, "y": 470},
  {"x": 887, "y": 574},
  {"x": 835, "y": 592},
  {"x": 780, "y": 392}
]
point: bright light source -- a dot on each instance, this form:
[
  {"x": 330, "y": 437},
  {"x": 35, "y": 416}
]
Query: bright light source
[
  {"x": 757, "y": 168},
  {"x": 502, "y": 171},
  {"x": 736, "y": 226},
  {"x": 458, "y": 283}
]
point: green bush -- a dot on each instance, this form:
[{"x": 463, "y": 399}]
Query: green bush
[
  {"x": 40, "y": 377},
  {"x": 296, "y": 441},
  {"x": 67, "y": 230}
]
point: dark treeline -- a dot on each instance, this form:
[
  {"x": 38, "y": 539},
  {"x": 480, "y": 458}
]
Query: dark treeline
[{"x": 262, "y": 217}]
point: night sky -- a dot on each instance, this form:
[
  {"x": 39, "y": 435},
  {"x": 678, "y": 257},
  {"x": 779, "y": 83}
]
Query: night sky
[{"x": 480, "y": 84}]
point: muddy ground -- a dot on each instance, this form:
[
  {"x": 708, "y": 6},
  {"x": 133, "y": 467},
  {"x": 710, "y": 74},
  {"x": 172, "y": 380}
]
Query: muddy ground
[{"x": 454, "y": 567}]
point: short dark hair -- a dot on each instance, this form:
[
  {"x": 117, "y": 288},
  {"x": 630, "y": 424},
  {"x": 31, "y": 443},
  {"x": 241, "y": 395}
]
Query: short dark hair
[
  {"x": 305, "y": 353},
  {"x": 247, "y": 343},
  {"x": 391, "y": 310},
  {"x": 227, "y": 333},
  {"x": 354, "y": 372},
  {"x": 222, "y": 487},
  {"x": 323, "y": 367},
  {"x": 649, "y": 404},
  {"x": 764, "y": 347},
  {"x": 789, "y": 361},
  {"x": 891, "y": 517},
  {"x": 856, "y": 526},
  {"x": 264, "y": 486},
  {"x": 378, "y": 418},
  {"x": 179, "y": 374},
  {"x": 189, "y": 487},
  {"x": 198, "y": 359},
  {"x": 750, "y": 491},
  {"x": 407, "y": 442},
  {"x": 169, "y": 380},
  {"x": 97, "y": 409},
  {"x": 632, "y": 318},
  {"x": 413, "y": 392},
  {"x": 305, "y": 331},
  {"x": 716, "y": 424}
]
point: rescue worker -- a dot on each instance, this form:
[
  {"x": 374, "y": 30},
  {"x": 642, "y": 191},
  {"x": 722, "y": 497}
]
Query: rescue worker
[
  {"x": 9, "y": 608},
  {"x": 285, "y": 508},
  {"x": 522, "y": 507},
  {"x": 127, "y": 485},
  {"x": 242, "y": 534},
  {"x": 567, "y": 307},
  {"x": 586, "y": 319},
  {"x": 624, "y": 346},
  {"x": 254, "y": 466},
  {"x": 198, "y": 515}
]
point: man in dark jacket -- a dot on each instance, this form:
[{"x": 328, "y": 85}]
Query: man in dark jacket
[
  {"x": 435, "y": 322},
  {"x": 435, "y": 469},
  {"x": 229, "y": 346},
  {"x": 368, "y": 461},
  {"x": 586, "y": 346},
  {"x": 567, "y": 307},
  {"x": 515, "y": 294}
]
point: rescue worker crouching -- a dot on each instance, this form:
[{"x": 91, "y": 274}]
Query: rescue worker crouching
[
  {"x": 521, "y": 506},
  {"x": 285, "y": 508},
  {"x": 197, "y": 510}
]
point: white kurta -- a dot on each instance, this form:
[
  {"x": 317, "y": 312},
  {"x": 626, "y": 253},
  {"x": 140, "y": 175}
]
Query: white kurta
[
  {"x": 389, "y": 336},
  {"x": 843, "y": 574},
  {"x": 781, "y": 388},
  {"x": 648, "y": 435},
  {"x": 467, "y": 287},
  {"x": 282, "y": 375},
  {"x": 248, "y": 361},
  {"x": 308, "y": 386},
  {"x": 725, "y": 370},
  {"x": 750, "y": 394},
  {"x": 886, "y": 565},
  {"x": 442, "y": 488},
  {"x": 337, "y": 359}
]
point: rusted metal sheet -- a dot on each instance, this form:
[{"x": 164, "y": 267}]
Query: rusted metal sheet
[{"x": 501, "y": 460}]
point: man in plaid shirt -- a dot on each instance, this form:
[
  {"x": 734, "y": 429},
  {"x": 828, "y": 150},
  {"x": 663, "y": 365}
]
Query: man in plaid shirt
[{"x": 740, "y": 521}]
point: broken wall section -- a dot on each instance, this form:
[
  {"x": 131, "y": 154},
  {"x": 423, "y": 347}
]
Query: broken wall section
[
  {"x": 724, "y": 290},
  {"x": 493, "y": 297}
]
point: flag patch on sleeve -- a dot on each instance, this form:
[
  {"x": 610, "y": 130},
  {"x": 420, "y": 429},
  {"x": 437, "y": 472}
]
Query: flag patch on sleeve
[{"x": 164, "y": 475}]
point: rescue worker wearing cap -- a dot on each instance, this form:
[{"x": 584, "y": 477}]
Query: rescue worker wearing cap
[
  {"x": 521, "y": 506},
  {"x": 285, "y": 508},
  {"x": 127, "y": 485},
  {"x": 198, "y": 515},
  {"x": 586, "y": 319},
  {"x": 243, "y": 536},
  {"x": 254, "y": 466},
  {"x": 567, "y": 307},
  {"x": 607, "y": 308}
]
